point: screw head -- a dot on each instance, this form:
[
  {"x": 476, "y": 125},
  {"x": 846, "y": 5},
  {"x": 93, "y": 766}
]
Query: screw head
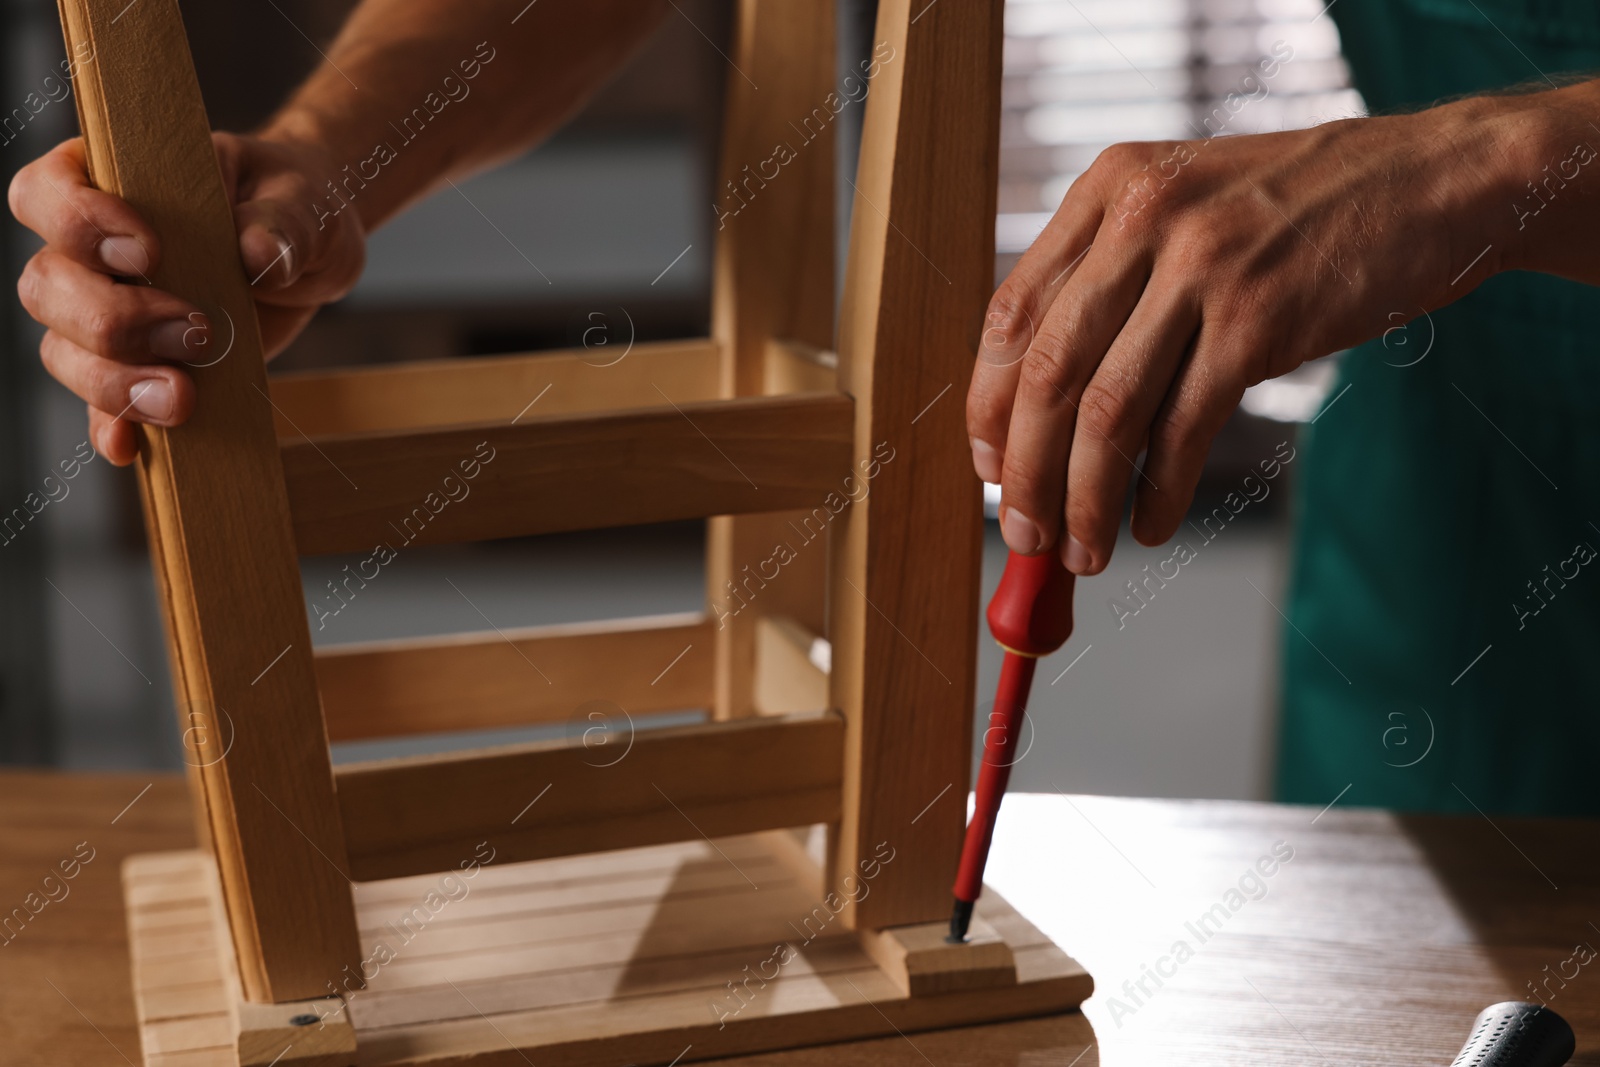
[{"x": 304, "y": 1020}]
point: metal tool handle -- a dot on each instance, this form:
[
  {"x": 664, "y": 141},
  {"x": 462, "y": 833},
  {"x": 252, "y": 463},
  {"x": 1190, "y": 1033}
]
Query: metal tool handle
[{"x": 1513, "y": 1034}]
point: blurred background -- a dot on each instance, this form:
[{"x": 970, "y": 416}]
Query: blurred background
[{"x": 1177, "y": 700}]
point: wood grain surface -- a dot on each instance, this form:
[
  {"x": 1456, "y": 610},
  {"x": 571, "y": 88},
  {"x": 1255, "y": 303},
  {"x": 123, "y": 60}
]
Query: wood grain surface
[
  {"x": 216, "y": 504},
  {"x": 545, "y": 473},
  {"x": 579, "y": 673},
  {"x": 1375, "y": 945},
  {"x": 473, "y": 389},
  {"x": 772, "y": 277},
  {"x": 417, "y": 814},
  {"x": 670, "y": 954},
  {"x": 905, "y": 559}
]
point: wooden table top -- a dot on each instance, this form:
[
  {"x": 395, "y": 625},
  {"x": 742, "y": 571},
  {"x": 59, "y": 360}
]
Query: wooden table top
[{"x": 1259, "y": 933}]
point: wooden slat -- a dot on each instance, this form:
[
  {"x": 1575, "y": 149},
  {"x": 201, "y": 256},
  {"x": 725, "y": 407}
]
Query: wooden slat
[
  {"x": 186, "y": 978},
  {"x": 804, "y": 1009},
  {"x": 772, "y": 277},
  {"x": 602, "y": 980},
  {"x": 516, "y": 677},
  {"x": 214, "y": 492},
  {"x": 492, "y": 922},
  {"x": 543, "y": 474},
  {"x": 786, "y": 677},
  {"x": 447, "y": 392},
  {"x": 562, "y": 881},
  {"x": 796, "y": 367},
  {"x": 430, "y": 813},
  {"x": 903, "y": 601}
]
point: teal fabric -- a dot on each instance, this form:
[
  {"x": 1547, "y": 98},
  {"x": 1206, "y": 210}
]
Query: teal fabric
[{"x": 1445, "y": 594}]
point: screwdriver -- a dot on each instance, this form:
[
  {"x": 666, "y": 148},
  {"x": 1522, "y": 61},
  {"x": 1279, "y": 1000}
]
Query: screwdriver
[{"x": 1030, "y": 616}]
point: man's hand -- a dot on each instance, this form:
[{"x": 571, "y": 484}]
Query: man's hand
[
  {"x": 1175, "y": 275},
  {"x": 121, "y": 347}
]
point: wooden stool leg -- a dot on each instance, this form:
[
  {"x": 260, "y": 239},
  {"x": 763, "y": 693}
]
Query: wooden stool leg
[
  {"x": 773, "y": 280},
  {"x": 230, "y": 577},
  {"x": 904, "y": 584}
]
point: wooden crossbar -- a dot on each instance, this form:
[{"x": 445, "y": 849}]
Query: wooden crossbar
[
  {"x": 432, "y": 813},
  {"x": 580, "y": 472},
  {"x": 515, "y": 677},
  {"x": 447, "y": 392}
]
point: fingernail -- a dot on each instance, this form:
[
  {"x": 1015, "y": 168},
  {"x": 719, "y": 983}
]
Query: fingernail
[
  {"x": 152, "y": 398},
  {"x": 1019, "y": 531},
  {"x": 1076, "y": 557},
  {"x": 287, "y": 251},
  {"x": 1003, "y": 343},
  {"x": 282, "y": 267},
  {"x": 125, "y": 255},
  {"x": 180, "y": 339},
  {"x": 986, "y": 461}
]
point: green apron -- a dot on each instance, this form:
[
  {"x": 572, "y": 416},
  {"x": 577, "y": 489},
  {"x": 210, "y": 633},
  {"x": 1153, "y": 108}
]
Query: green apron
[{"x": 1445, "y": 593}]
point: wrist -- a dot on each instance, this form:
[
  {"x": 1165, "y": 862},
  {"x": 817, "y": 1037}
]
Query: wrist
[
  {"x": 342, "y": 180},
  {"x": 1546, "y": 153},
  {"x": 359, "y": 157},
  {"x": 294, "y": 128},
  {"x": 302, "y": 133}
]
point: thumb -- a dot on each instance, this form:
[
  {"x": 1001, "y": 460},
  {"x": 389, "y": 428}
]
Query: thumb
[
  {"x": 291, "y": 256},
  {"x": 292, "y": 252},
  {"x": 272, "y": 260}
]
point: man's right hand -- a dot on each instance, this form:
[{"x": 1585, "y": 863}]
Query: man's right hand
[{"x": 121, "y": 346}]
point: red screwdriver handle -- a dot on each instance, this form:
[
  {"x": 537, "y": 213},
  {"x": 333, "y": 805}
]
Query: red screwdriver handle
[
  {"x": 1031, "y": 613},
  {"x": 1030, "y": 616}
]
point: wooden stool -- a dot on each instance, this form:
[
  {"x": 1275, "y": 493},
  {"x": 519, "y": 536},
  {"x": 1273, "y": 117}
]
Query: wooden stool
[{"x": 387, "y": 912}]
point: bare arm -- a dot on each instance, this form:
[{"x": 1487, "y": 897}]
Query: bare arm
[
  {"x": 450, "y": 88},
  {"x": 1175, "y": 275},
  {"x": 412, "y": 92}
]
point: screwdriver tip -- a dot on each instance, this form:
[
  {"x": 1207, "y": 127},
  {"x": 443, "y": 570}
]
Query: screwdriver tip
[{"x": 960, "y": 920}]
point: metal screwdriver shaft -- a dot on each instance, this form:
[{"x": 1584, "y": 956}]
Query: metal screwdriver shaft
[{"x": 1030, "y": 616}]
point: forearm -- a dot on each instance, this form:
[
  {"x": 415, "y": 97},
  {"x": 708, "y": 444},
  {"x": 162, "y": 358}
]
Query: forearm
[
  {"x": 417, "y": 91},
  {"x": 1545, "y": 204}
]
